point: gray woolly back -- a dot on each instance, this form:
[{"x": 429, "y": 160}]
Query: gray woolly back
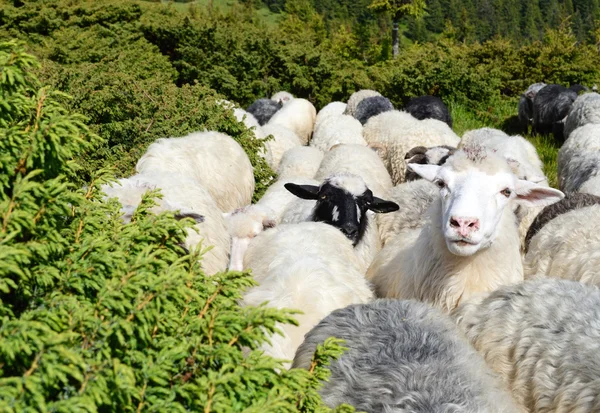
[
  {"x": 403, "y": 356},
  {"x": 543, "y": 335},
  {"x": 569, "y": 203},
  {"x": 264, "y": 109},
  {"x": 372, "y": 106}
]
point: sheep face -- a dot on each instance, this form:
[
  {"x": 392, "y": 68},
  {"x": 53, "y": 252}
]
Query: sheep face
[
  {"x": 343, "y": 201},
  {"x": 476, "y": 186}
]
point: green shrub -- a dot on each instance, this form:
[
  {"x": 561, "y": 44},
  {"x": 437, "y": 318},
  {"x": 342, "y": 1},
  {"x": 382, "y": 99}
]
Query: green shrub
[{"x": 97, "y": 315}]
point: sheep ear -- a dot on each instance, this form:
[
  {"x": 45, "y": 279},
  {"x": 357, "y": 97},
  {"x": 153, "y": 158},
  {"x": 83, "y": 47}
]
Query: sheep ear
[
  {"x": 417, "y": 150},
  {"x": 428, "y": 172},
  {"x": 382, "y": 206},
  {"x": 303, "y": 191},
  {"x": 530, "y": 194}
]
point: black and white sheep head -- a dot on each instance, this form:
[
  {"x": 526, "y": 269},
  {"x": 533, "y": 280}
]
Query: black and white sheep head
[
  {"x": 343, "y": 201},
  {"x": 476, "y": 185}
]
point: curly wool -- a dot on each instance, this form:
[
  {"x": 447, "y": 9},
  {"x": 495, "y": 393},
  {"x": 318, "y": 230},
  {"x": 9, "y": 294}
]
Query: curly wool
[
  {"x": 585, "y": 110},
  {"x": 567, "y": 247},
  {"x": 356, "y": 98},
  {"x": 541, "y": 336},
  {"x": 403, "y": 356},
  {"x": 579, "y": 159},
  {"x": 372, "y": 106},
  {"x": 264, "y": 109},
  {"x": 414, "y": 199}
]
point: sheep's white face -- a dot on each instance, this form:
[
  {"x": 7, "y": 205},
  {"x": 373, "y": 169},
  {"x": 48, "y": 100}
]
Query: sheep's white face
[{"x": 474, "y": 200}]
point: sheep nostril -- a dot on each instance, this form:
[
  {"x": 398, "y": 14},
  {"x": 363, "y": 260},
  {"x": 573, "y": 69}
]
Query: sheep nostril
[{"x": 454, "y": 223}]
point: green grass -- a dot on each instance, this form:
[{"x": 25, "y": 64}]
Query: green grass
[{"x": 503, "y": 116}]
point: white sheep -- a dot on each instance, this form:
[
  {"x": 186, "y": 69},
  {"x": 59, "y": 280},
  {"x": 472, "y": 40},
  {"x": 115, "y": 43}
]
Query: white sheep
[
  {"x": 523, "y": 158},
  {"x": 297, "y": 115},
  {"x": 335, "y": 130},
  {"x": 381, "y": 130},
  {"x": 250, "y": 121},
  {"x": 309, "y": 266},
  {"x": 414, "y": 199},
  {"x": 585, "y": 110},
  {"x": 183, "y": 194},
  {"x": 579, "y": 161},
  {"x": 282, "y": 97},
  {"x": 331, "y": 109},
  {"x": 303, "y": 161},
  {"x": 530, "y": 167},
  {"x": 278, "y": 199},
  {"x": 396, "y": 132},
  {"x": 344, "y": 201},
  {"x": 213, "y": 159},
  {"x": 470, "y": 241},
  {"x": 403, "y": 356},
  {"x": 541, "y": 337},
  {"x": 568, "y": 246},
  {"x": 283, "y": 140},
  {"x": 359, "y": 160},
  {"x": 356, "y": 98}
]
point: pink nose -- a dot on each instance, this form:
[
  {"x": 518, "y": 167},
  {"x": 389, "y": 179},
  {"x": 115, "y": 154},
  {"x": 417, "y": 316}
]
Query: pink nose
[{"x": 464, "y": 225}]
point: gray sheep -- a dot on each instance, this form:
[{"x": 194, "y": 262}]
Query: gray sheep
[
  {"x": 526, "y": 104},
  {"x": 569, "y": 203},
  {"x": 551, "y": 106},
  {"x": 403, "y": 356},
  {"x": 429, "y": 107},
  {"x": 264, "y": 109},
  {"x": 542, "y": 337},
  {"x": 372, "y": 106}
]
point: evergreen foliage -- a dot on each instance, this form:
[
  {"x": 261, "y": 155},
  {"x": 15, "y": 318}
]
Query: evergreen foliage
[{"x": 97, "y": 315}]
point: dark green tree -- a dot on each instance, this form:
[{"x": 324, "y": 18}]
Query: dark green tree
[
  {"x": 434, "y": 19},
  {"x": 397, "y": 10}
]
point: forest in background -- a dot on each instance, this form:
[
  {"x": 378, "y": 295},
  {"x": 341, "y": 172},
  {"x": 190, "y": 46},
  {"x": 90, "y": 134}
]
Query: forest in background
[{"x": 473, "y": 20}]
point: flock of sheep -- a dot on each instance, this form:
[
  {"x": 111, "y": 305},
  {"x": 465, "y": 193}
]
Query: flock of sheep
[{"x": 459, "y": 280}]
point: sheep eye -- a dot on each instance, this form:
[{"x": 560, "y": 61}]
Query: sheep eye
[
  {"x": 323, "y": 196},
  {"x": 440, "y": 184},
  {"x": 506, "y": 192}
]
